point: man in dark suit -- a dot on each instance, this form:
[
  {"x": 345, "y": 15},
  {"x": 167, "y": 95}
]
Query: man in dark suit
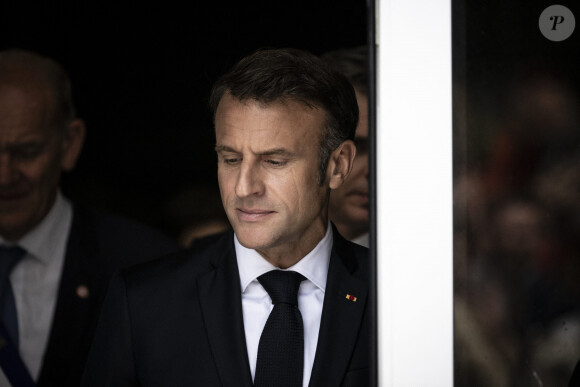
[
  {"x": 65, "y": 253},
  {"x": 284, "y": 124}
]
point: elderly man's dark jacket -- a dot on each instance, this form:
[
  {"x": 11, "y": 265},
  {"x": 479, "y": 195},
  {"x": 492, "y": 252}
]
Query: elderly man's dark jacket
[{"x": 98, "y": 245}]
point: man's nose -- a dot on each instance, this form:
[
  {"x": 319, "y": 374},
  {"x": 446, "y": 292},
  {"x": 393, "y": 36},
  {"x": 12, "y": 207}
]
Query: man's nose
[
  {"x": 366, "y": 167},
  {"x": 8, "y": 172},
  {"x": 249, "y": 181}
]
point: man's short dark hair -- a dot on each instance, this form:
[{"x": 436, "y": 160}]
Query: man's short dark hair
[
  {"x": 353, "y": 63},
  {"x": 276, "y": 75}
]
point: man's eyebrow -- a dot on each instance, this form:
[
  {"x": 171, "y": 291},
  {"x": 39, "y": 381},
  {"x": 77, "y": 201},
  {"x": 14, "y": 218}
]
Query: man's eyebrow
[
  {"x": 269, "y": 152},
  {"x": 277, "y": 152},
  {"x": 25, "y": 144},
  {"x": 224, "y": 148}
]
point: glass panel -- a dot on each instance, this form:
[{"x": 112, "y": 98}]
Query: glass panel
[{"x": 516, "y": 193}]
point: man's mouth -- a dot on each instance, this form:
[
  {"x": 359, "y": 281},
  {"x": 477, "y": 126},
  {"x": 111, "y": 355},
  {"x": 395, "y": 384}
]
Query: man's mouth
[
  {"x": 252, "y": 215},
  {"x": 361, "y": 197},
  {"x": 360, "y": 194},
  {"x": 11, "y": 195}
]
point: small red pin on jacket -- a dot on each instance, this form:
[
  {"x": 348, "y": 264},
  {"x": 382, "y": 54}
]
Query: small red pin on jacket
[
  {"x": 82, "y": 292},
  {"x": 351, "y": 297}
]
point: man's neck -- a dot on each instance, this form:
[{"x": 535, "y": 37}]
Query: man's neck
[
  {"x": 349, "y": 232},
  {"x": 291, "y": 252},
  {"x": 283, "y": 258}
]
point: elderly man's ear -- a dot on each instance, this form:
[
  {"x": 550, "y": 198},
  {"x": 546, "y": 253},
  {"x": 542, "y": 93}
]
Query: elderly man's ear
[
  {"x": 73, "y": 140},
  {"x": 340, "y": 164}
]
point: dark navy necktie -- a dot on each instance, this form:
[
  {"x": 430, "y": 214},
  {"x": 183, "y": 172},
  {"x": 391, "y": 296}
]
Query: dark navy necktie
[
  {"x": 280, "y": 360},
  {"x": 9, "y": 257}
]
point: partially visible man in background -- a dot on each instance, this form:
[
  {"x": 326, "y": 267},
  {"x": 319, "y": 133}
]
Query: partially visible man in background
[
  {"x": 55, "y": 257},
  {"x": 349, "y": 205}
]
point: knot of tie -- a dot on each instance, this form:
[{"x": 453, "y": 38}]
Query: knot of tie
[
  {"x": 282, "y": 286},
  {"x": 9, "y": 257}
]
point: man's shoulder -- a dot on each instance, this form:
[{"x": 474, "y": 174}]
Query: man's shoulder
[
  {"x": 342, "y": 245},
  {"x": 354, "y": 257},
  {"x": 361, "y": 253}
]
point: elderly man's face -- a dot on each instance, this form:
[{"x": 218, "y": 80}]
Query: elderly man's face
[
  {"x": 33, "y": 150},
  {"x": 268, "y": 174}
]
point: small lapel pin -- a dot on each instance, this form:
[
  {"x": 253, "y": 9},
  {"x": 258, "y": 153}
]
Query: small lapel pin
[
  {"x": 351, "y": 298},
  {"x": 82, "y": 292}
]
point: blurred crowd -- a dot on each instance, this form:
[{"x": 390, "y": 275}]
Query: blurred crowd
[{"x": 516, "y": 227}]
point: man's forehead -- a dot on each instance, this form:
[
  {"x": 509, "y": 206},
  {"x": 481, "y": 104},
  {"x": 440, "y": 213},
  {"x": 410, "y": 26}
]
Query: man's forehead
[
  {"x": 25, "y": 113},
  {"x": 261, "y": 141},
  {"x": 274, "y": 129},
  {"x": 284, "y": 152},
  {"x": 26, "y": 95}
]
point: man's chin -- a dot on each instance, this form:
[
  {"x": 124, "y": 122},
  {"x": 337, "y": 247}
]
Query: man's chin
[
  {"x": 12, "y": 229},
  {"x": 358, "y": 214},
  {"x": 252, "y": 239}
]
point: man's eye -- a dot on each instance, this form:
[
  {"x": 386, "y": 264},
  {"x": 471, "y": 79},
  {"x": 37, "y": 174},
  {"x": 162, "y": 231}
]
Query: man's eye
[
  {"x": 26, "y": 153},
  {"x": 276, "y": 163},
  {"x": 231, "y": 160}
]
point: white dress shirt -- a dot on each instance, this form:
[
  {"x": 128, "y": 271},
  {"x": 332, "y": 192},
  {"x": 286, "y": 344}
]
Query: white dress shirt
[
  {"x": 35, "y": 281},
  {"x": 257, "y": 304}
]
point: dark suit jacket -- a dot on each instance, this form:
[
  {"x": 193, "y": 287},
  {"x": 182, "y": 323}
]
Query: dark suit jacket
[
  {"x": 98, "y": 245},
  {"x": 178, "y": 322}
]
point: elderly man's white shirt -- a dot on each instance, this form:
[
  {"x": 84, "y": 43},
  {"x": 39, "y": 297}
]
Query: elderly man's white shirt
[{"x": 35, "y": 281}]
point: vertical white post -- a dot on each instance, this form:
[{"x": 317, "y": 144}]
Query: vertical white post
[{"x": 414, "y": 193}]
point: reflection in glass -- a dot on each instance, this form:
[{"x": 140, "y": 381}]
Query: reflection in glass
[{"x": 516, "y": 199}]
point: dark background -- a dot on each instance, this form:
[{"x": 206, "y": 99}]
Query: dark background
[
  {"x": 496, "y": 45},
  {"x": 142, "y": 74}
]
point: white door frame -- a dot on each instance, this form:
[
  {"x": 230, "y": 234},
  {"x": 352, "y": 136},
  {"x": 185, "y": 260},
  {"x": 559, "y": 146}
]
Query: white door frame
[{"x": 414, "y": 193}]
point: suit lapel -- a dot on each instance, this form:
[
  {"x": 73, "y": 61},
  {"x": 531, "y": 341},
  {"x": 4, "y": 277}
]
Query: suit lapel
[
  {"x": 221, "y": 304},
  {"x": 341, "y": 316},
  {"x": 76, "y": 293}
]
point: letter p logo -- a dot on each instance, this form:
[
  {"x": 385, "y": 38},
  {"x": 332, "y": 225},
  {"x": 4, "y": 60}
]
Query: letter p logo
[
  {"x": 557, "y": 20},
  {"x": 557, "y": 23}
]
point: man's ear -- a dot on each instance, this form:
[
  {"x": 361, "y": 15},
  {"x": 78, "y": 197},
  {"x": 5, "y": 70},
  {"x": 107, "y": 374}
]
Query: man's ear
[
  {"x": 340, "y": 164},
  {"x": 73, "y": 140}
]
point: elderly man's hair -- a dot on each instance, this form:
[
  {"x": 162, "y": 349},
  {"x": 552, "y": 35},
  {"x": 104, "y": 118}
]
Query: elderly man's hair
[
  {"x": 277, "y": 75},
  {"x": 22, "y": 67},
  {"x": 353, "y": 63}
]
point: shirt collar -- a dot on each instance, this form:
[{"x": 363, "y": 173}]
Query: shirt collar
[
  {"x": 362, "y": 240},
  {"x": 313, "y": 266},
  {"x": 48, "y": 239}
]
